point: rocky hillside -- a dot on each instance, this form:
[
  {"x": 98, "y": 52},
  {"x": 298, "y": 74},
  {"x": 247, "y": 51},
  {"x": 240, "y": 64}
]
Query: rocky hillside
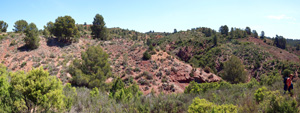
[
  {"x": 163, "y": 73},
  {"x": 176, "y": 59}
]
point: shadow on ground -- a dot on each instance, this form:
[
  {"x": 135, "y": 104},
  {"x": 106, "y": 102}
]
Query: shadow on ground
[
  {"x": 24, "y": 48},
  {"x": 54, "y": 42}
]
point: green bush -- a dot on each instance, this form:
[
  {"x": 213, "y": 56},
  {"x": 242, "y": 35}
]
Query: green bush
[
  {"x": 92, "y": 70},
  {"x": 122, "y": 93},
  {"x": 280, "y": 104},
  {"x": 195, "y": 87},
  {"x": 260, "y": 93},
  {"x": 146, "y": 56},
  {"x": 269, "y": 80},
  {"x": 23, "y": 64},
  {"x": 286, "y": 73},
  {"x": 234, "y": 71},
  {"x": 204, "y": 106},
  {"x": 13, "y": 42},
  {"x": 207, "y": 69},
  {"x": 40, "y": 91}
]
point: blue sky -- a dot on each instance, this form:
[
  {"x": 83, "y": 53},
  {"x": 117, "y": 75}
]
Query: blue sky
[{"x": 280, "y": 17}]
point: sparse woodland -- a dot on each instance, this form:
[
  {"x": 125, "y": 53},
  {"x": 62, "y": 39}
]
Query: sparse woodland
[{"x": 68, "y": 67}]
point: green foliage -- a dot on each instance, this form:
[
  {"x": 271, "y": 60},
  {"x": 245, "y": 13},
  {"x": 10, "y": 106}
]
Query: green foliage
[
  {"x": 260, "y": 93},
  {"x": 248, "y": 30},
  {"x": 224, "y": 30},
  {"x": 65, "y": 29},
  {"x": 92, "y": 70},
  {"x": 122, "y": 93},
  {"x": 20, "y": 26},
  {"x": 5, "y": 91},
  {"x": 286, "y": 73},
  {"x": 278, "y": 104},
  {"x": 175, "y": 31},
  {"x": 262, "y": 35},
  {"x": 215, "y": 40},
  {"x": 207, "y": 59},
  {"x": 117, "y": 85},
  {"x": 234, "y": 71},
  {"x": 270, "y": 79},
  {"x": 49, "y": 28},
  {"x": 146, "y": 55},
  {"x": 94, "y": 92},
  {"x": 204, "y": 106},
  {"x": 46, "y": 33},
  {"x": 207, "y": 69},
  {"x": 70, "y": 94},
  {"x": 99, "y": 29},
  {"x": 237, "y": 33},
  {"x": 273, "y": 102},
  {"x": 280, "y": 42},
  {"x": 298, "y": 47},
  {"x": 13, "y": 42},
  {"x": 32, "y": 39},
  {"x": 38, "y": 90},
  {"x": 3, "y": 26},
  {"x": 195, "y": 87},
  {"x": 255, "y": 34},
  {"x": 23, "y": 64}
]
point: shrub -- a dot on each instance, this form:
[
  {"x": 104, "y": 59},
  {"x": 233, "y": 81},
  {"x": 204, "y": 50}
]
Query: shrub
[
  {"x": 151, "y": 48},
  {"x": 146, "y": 56},
  {"x": 147, "y": 75},
  {"x": 204, "y": 106},
  {"x": 92, "y": 70},
  {"x": 23, "y": 64},
  {"x": 159, "y": 74},
  {"x": 279, "y": 104},
  {"x": 192, "y": 74},
  {"x": 269, "y": 80},
  {"x": 13, "y": 42},
  {"x": 174, "y": 69},
  {"x": 260, "y": 93},
  {"x": 234, "y": 70},
  {"x": 136, "y": 69},
  {"x": 39, "y": 90},
  {"x": 52, "y": 55},
  {"x": 207, "y": 69},
  {"x": 194, "y": 87},
  {"x": 286, "y": 72}
]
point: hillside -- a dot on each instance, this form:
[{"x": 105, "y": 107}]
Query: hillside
[
  {"x": 182, "y": 66},
  {"x": 167, "y": 74},
  {"x": 174, "y": 57}
]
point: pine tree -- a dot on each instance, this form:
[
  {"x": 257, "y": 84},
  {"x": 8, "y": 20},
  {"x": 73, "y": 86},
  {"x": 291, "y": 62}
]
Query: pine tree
[
  {"x": 32, "y": 38},
  {"x": 20, "y": 26},
  {"x": 65, "y": 29},
  {"x": 99, "y": 30},
  {"x": 3, "y": 26},
  {"x": 92, "y": 70}
]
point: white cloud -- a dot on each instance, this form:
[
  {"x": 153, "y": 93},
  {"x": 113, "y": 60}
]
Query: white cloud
[{"x": 280, "y": 17}]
